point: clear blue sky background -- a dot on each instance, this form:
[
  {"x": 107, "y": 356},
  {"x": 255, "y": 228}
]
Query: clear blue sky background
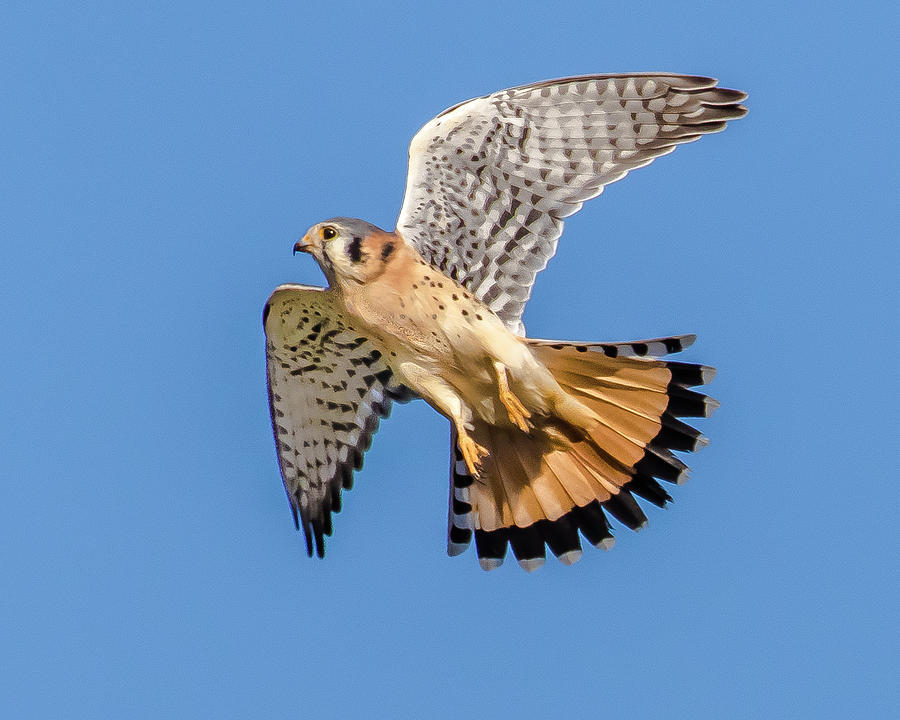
[{"x": 158, "y": 164}]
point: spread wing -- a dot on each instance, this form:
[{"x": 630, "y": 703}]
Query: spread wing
[
  {"x": 491, "y": 179},
  {"x": 328, "y": 388}
]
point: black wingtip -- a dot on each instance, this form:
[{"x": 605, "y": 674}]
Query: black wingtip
[
  {"x": 320, "y": 543},
  {"x": 307, "y": 535}
]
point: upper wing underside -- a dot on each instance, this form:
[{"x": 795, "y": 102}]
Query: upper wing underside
[{"x": 491, "y": 179}]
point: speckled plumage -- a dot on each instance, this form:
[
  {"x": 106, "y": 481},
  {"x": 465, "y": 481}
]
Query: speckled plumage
[
  {"x": 328, "y": 388},
  {"x": 546, "y": 435},
  {"x": 491, "y": 179}
]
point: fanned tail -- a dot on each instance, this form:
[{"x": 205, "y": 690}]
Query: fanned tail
[{"x": 556, "y": 483}]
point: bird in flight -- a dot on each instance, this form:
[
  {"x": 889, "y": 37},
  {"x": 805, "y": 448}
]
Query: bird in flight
[{"x": 547, "y": 437}]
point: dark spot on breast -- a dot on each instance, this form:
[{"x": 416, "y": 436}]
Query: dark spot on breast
[
  {"x": 478, "y": 316},
  {"x": 465, "y": 312}
]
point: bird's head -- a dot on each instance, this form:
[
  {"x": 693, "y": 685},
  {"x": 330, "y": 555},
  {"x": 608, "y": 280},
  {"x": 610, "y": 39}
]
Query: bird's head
[{"x": 348, "y": 249}]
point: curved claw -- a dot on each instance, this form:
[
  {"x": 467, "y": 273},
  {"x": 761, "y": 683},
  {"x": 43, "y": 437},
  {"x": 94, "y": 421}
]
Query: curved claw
[
  {"x": 518, "y": 414},
  {"x": 472, "y": 453}
]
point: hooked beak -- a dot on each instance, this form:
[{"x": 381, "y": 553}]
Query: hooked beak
[{"x": 302, "y": 245}]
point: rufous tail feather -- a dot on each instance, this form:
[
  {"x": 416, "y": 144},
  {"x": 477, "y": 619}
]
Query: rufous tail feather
[{"x": 544, "y": 488}]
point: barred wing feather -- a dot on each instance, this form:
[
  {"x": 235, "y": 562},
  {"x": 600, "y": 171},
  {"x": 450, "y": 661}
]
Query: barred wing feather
[
  {"x": 328, "y": 389},
  {"x": 491, "y": 179}
]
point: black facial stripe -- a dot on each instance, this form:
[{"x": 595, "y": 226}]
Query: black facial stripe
[
  {"x": 386, "y": 251},
  {"x": 354, "y": 249}
]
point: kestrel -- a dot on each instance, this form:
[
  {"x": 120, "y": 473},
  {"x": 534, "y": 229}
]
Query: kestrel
[{"x": 546, "y": 436}]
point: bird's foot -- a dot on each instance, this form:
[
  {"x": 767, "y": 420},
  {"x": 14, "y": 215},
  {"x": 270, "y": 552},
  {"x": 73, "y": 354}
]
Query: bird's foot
[
  {"x": 472, "y": 453},
  {"x": 518, "y": 413}
]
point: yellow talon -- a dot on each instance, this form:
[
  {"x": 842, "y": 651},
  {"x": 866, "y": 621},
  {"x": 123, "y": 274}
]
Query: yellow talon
[
  {"x": 472, "y": 453},
  {"x": 518, "y": 414}
]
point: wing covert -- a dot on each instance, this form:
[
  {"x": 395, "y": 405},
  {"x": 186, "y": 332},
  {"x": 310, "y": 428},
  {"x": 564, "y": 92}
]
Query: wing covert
[
  {"x": 328, "y": 389},
  {"x": 491, "y": 179}
]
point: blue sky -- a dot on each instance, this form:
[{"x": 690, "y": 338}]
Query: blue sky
[{"x": 159, "y": 161}]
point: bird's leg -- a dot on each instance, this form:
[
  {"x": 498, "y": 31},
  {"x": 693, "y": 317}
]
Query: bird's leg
[
  {"x": 444, "y": 398},
  {"x": 518, "y": 414}
]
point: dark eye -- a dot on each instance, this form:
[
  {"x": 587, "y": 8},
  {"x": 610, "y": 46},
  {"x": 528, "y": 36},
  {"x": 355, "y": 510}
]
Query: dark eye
[{"x": 328, "y": 233}]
